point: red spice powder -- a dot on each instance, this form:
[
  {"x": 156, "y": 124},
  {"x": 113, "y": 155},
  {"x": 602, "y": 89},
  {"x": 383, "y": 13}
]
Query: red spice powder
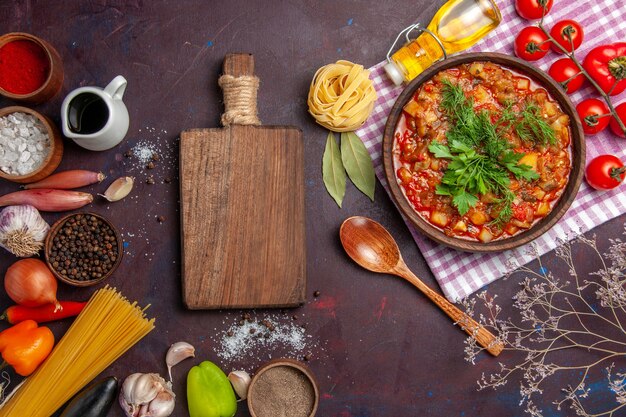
[{"x": 24, "y": 67}]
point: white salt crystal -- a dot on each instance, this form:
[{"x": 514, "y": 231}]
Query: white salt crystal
[
  {"x": 24, "y": 169},
  {"x": 24, "y": 143},
  {"x": 25, "y": 156}
]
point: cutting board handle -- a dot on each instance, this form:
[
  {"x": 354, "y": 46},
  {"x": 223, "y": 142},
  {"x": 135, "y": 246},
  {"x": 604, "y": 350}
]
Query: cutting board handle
[{"x": 240, "y": 88}]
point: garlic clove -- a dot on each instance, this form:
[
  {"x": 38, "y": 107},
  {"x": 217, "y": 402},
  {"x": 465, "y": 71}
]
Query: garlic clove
[
  {"x": 240, "y": 381},
  {"x": 119, "y": 189},
  {"x": 130, "y": 410},
  {"x": 177, "y": 353},
  {"x": 162, "y": 405},
  {"x": 140, "y": 389}
]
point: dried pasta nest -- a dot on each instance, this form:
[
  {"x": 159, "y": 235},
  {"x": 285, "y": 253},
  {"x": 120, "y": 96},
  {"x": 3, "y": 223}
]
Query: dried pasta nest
[{"x": 341, "y": 96}]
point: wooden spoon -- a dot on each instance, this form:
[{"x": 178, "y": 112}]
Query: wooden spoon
[{"x": 370, "y": 245}]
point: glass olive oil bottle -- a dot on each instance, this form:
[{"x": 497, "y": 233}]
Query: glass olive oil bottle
[{"x": 456, "y": 26}]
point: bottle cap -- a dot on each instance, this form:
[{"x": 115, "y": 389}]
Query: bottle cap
[{"x": 394, "y": 73}]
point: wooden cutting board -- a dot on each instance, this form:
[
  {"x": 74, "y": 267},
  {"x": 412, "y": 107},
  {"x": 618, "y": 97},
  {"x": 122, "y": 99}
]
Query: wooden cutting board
[{"x": 242, "y": 213}]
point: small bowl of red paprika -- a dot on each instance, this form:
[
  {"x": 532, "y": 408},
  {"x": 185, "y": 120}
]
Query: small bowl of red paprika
[{"x": 31, "y": 70}]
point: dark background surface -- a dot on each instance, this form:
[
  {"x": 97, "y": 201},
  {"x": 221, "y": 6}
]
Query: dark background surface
[{"x": 377, "y": 346}]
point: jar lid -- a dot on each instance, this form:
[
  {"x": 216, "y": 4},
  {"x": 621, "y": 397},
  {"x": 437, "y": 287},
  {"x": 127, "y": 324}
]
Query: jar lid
[{"x": 394, "y": 73}]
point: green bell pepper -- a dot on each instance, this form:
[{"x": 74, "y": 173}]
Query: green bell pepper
[{"x": 209, "y": 392}]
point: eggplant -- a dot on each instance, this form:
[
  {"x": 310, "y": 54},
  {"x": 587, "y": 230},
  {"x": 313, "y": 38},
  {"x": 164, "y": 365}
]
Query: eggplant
[{"x": 93, "y": 401}]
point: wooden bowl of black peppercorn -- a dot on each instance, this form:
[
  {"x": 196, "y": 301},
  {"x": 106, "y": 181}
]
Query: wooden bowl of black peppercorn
[{"x": 83, "y": 249}]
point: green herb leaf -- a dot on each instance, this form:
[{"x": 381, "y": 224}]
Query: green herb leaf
[
  {"x": 358, "y": 163},
  {"x": 533, "y": 127},
  {"x": 440, "y": 150},
  {"x": 333, "y": 173},
  {"x": 463, "y": 201}
]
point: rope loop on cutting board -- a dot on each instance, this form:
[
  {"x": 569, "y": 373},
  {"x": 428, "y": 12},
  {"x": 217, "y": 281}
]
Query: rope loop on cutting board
[{"x": 240, "y": 100}]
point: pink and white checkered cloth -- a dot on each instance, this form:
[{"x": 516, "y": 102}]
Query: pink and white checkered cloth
[{"x": 460, "y": 273}]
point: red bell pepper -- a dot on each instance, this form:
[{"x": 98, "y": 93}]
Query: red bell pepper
[
  {"x": 606, "y": 64},
  {"x": 42, "y": 314}
]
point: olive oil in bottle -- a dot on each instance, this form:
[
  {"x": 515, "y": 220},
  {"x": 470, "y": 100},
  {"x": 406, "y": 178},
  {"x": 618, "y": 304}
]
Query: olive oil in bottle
[{"x": 456, "y": 26}]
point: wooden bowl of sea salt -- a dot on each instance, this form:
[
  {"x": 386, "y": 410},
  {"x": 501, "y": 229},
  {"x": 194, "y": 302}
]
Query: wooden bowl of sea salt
[{"x": 31, "y": 147}]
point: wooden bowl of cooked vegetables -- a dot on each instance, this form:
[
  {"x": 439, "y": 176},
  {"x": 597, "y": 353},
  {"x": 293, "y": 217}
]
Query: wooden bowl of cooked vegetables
[{"x": 483, "y": 152}]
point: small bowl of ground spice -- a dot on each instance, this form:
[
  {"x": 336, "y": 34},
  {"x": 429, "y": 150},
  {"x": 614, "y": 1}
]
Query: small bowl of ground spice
[
  {"x": 31, "y": 69},
  {"x": 31, "y": 147},
  {"x": 283, "y": 388},
  {"x": 83, "y": 249}
]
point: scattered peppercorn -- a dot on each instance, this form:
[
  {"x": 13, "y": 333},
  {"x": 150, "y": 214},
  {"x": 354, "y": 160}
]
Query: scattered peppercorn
[
  {"x": 85, "y": 248},
  {"x": 155, "y": 157},
  {"x": 316, "y": 294},
  {"x": 252, "y": 330},
  {"x": 150, "y": 165},
  {"x": 160, "y": 219},
  {"x": 150, "y": 181},
  {"x": 294, "y": 317},
  {"x": 128, "y": 153},
  {"x": 167, "y": 180},
  {"x": 307, "y": 358},
  {"x": 230, "y": 333}
]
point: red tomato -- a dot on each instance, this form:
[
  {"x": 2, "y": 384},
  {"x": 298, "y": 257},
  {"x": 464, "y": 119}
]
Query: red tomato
[
  {"x": 621, "y": 113},
  {"x": 562, "y": 31},
  {"x": 605, "y": 172},
  {"x": 532, "y": 9},
  {"x": 564, "y": 71},
  {"x": 531, "y": 44},
  {"x": 606, "y": 64},
  {"x": 594, "y": 115}
]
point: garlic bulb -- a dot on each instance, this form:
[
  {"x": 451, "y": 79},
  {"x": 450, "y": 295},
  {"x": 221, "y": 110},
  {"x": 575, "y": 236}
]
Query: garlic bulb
[
  {"x": 177, "y": 353},
  {"x": 22, "y": 230},
  {"x": 147, "y": 395},
  {"x": 240, "y": 381}
]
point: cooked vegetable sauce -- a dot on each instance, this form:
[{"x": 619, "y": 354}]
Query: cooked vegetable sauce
[{"x": 495, "y": 91}]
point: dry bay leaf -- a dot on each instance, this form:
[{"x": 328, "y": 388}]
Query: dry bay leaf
[
  {"x": 358, "y": 163},
  {"x": 333, "y": 172}
]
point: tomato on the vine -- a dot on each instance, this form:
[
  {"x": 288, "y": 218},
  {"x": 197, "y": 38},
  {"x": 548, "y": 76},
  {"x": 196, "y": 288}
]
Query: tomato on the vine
[
  {"x": 621, "y": 113},
  {"x": 605, "y": 172},
  {"x": 562, "y": 32},
  {"x": 532, "y": 9},
  {"x": 606, "y": 64},
  {"x": 531, "y": 44},
  {"x": 594, "y": 115},
  {"x": 565, "y": 72}
]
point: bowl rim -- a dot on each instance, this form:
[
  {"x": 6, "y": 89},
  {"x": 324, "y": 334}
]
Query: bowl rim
[
  {"x": 17, "y": 36},
  {"x": 53, "y": 133},
  {"x": 54, "y": 229},
  {"x": 292, "y": 363},
  {"x": 577, "y": 143}
]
